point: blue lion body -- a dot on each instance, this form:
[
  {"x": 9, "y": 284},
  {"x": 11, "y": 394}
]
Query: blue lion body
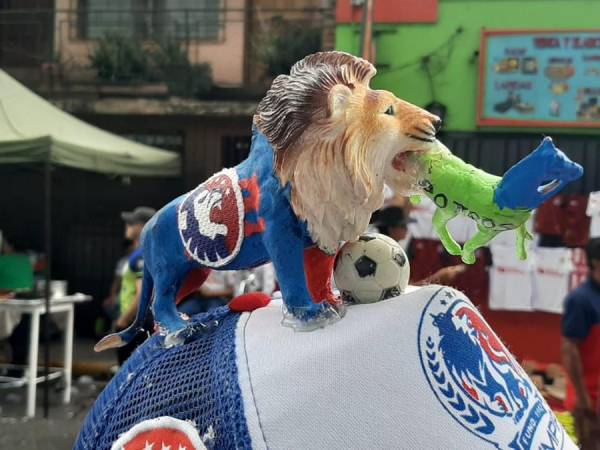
[
  {"x": 275, "y": 205},
  {"x": 282, "y": 240}
]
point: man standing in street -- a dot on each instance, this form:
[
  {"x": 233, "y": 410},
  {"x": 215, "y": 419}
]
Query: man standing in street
[
  {"x": 581, "y": 351},
  {"x": 131, "y": 279}
]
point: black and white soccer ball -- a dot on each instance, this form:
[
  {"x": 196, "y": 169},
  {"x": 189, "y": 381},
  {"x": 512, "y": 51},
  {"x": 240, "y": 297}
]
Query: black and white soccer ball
[{"x": 371, "y": 269}]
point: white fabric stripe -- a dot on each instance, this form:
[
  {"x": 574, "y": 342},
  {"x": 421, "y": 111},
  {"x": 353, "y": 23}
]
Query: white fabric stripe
[
  {"x": 331, "y": 388},
  {"x": 355, "y": 384},
  {"x": 244, "y": 380}
]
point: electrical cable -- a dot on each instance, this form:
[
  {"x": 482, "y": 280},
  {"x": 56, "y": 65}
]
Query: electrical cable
[{"x": 448, "y": 45}]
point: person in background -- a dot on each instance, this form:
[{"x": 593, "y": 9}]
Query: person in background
[
  {"x": 259, "y": 279},
  {"x": 214, "y": 292},
  {"x": 16, "y": 325},
  {"x": 221, "y": 286},
  {"x": 581, "y": 351},
  {"x": 9, "y": 320},
  {"x": 110, "y": 305},
  {"x": 393, "y": 222},
  {"x": 131, "y": 279},
  {"x": 5, "y": 248}
]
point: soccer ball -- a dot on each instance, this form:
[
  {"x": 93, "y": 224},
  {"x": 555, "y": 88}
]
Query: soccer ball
[{"x": 371, "y": 269}]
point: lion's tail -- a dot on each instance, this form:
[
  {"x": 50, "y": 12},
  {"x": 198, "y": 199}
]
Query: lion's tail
[{"x": 124, "y": 337}]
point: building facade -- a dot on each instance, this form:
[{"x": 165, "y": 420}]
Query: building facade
[{"x": 50, "y": 46}]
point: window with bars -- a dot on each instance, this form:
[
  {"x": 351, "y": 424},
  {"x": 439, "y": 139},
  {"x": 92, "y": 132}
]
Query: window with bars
[{"x": 145, "y": 19}]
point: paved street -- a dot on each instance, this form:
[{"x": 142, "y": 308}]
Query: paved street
[
  {"x": 56, "y": 433},
  {"x": 91, "y": 373}
]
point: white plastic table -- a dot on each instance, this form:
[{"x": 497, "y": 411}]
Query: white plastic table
[{"x": 37, "y": 307}]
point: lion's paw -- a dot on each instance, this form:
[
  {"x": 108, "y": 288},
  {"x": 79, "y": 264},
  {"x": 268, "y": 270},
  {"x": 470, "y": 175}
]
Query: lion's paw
[
  {"x": 184, "y": 335},
  {"x": 317, "y": 315},
  {"x": 174, "y": 339}
]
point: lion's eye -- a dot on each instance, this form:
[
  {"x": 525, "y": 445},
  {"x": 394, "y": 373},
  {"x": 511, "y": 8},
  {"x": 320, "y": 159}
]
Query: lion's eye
[{"x": 390, "y": 111}]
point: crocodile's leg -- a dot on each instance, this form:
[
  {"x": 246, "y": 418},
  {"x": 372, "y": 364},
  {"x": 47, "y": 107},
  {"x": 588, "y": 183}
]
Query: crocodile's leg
[
  {"x": 440, "y": 220},
  {"x": 523, "y": 235},
  {"x": 480, "y": 239}
]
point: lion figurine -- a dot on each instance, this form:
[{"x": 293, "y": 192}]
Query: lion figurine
[{"x": 321, "y": 145}]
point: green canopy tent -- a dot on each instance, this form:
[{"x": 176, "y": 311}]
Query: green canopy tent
[{"x": 34, "y": 131}]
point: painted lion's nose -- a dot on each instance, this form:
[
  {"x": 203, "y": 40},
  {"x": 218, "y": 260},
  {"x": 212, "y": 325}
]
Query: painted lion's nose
[{"x": 437, "y": 123}]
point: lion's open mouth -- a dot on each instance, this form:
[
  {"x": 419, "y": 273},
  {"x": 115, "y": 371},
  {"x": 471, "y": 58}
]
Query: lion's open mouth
[{"x": 403, "y": 159}]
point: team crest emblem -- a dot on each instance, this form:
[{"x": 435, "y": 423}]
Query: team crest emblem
[
  {"x": 162, "y": 433},
  {"x": 211, "y": 220},
  {"x": 478, "y": 381}
]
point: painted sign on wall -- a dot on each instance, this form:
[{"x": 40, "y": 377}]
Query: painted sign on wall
[{"x": 539, "y": 78}]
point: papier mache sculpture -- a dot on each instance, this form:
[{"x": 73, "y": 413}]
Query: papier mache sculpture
[
  {"x": 322, "y": 147},
  {"x": 495, "y": 203}
]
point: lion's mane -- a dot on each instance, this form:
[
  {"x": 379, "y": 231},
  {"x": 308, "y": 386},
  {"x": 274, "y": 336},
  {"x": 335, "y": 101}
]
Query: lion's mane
[{"x": 336, "y": 181}]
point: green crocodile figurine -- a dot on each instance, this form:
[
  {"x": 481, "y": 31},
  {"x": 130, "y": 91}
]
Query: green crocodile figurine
[{"x": 496, "y": 203}]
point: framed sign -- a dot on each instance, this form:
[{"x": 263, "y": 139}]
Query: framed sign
[{"x": 539, "y": 78}]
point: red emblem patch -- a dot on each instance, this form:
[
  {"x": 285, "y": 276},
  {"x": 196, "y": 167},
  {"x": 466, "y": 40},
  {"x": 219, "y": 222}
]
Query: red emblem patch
[{"x": 162, "y": 433}]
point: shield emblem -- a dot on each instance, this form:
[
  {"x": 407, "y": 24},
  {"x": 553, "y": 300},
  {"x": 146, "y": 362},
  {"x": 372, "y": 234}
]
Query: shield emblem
[{"x": 211, "y": 220}]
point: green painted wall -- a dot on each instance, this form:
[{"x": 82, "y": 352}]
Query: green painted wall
[{"x": 456, "y": 85}]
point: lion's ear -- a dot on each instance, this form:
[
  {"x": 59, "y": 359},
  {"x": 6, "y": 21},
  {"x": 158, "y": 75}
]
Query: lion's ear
[{"x": 338, "y": 99}]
